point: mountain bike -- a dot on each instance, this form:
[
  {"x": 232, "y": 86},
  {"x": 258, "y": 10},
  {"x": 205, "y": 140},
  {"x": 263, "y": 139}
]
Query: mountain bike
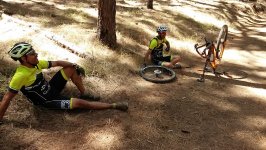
[
  {"x": 213, "y": 52},
  {"x": 157, "y": 74}
]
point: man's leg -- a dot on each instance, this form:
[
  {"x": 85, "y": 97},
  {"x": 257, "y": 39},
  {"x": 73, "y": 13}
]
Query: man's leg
[
  {"x": 175, "y": 59},
  {"x": 71, "y": 73},
  {"x": 75, "y": 103},
  {"x": 167, "y": 64},
  {"x": 171, "y": 62},
  {"x": 79, "y": 103}
]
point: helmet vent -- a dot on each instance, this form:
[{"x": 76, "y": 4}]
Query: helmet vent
[{"x": 23, "y": 50}]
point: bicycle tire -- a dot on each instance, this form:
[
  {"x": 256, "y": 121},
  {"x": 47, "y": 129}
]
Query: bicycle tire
[
  {"x": 213, "y": 61},
  {"x": 148, "y": 74},
  {"x": 221, "y": 41}
]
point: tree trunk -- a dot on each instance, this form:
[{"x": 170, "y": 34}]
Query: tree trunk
[
  {"x": 150, "y": 4},
  {"x": 106, "y": 22}
]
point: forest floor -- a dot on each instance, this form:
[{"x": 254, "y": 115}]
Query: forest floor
[{"x": 221, "y": 113}]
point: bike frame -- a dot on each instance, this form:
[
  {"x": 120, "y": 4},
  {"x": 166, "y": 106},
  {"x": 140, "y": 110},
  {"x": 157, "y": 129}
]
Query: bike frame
[
  {"x": 211, "y": 59},
  {"x": 213, "y": 53}
]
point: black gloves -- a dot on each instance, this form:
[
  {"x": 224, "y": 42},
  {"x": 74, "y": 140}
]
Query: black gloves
[{"x": 79, "y": 69}]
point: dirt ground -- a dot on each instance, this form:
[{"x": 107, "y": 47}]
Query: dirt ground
[{"x": 221, "y": 113}]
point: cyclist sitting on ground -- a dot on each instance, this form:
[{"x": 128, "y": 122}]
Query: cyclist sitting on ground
[
  {"x": 159, "y": 51},
  {"x": 29, "y": 79}
]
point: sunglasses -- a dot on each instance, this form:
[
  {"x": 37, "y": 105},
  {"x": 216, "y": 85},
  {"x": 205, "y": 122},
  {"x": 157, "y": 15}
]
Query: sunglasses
[
  {"x": 164, "y": 33},
  {"x": 32, "y": 52}
]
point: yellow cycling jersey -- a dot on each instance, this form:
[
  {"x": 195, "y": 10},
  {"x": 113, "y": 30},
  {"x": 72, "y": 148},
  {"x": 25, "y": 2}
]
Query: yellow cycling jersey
[
  {"x": 156, "y": 44},
  {"x": 25, "y": 76}
]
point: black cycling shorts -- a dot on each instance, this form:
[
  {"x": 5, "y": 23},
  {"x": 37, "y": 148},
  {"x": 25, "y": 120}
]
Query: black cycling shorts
[
  {"x": 57, "y": 101},
  {"x": 60, "y": 103},
  {"x": 160, "y": 60},
  {"x": 58, "y": 82}
]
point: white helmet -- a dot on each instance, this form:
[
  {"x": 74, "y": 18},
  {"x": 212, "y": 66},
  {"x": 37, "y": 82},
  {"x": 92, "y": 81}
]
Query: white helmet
[
  {"x": 162, "y": 28},
  {"x": 19, "y": 50}
]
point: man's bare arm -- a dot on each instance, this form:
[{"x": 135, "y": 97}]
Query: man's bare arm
[
  {"x": 5, "y": 103},
  {"x": 147, "y": 56},
  {"x": 61, "y": 63}
]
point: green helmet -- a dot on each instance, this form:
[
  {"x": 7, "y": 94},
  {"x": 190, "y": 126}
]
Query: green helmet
[{"x": 19, "y": 50}]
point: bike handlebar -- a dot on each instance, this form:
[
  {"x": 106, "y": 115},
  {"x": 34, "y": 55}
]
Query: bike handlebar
[
  {"x": 208, "y": 44},
  {"x": 197, "y": 47}
]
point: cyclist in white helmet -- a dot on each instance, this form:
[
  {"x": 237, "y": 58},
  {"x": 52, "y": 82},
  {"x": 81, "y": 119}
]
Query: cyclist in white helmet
[
  {"x": 159, "y": 51},
  {"x": 29, "y": 79}
]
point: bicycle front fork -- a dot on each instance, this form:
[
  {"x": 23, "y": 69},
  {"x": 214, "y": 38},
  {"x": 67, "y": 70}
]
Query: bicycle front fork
[{"x": 202, "y": 77}]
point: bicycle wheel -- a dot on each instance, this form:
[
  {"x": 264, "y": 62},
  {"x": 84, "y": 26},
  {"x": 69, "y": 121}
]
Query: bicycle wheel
[
  {"x": 212, "y": 58},
  {"x": 221, "y": 40},
  {"x": 157, "y": 74}
]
